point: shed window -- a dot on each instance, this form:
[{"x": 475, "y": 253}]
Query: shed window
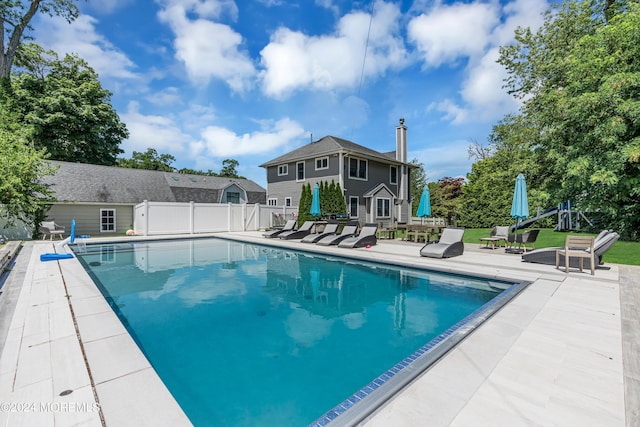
[
  {"x": 233, "y": 197},
  {"x": 107, "y": 220}
]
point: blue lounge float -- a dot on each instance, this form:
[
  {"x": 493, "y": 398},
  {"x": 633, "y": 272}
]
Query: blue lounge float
[{"x": 53, "y": 257}]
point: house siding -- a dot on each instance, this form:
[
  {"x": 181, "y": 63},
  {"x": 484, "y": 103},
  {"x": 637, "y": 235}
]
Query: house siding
[
  {"x": 377, "y": 173},
  {"x": 293, "y": 189},
  {"x": 87, "y": 218}
]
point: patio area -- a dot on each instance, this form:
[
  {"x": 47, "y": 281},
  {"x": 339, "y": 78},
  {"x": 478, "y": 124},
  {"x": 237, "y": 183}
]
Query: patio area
[{"x": 564, "y": 352}]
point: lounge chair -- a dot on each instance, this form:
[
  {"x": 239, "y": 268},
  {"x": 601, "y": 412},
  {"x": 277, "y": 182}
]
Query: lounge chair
[
  {"x": 522, "y": 240},
  {"x": 52, "y": 229},
  {"x": 330, "y": 229},
  {"x": 366, "y": 237},
  {"x": 290, "y": 225},
  {"x": 601, "y": 244},
  {"x": 449, "y": 245},
  {"x": 349, "y": 230},
  {"x": 301, "y": 232}
]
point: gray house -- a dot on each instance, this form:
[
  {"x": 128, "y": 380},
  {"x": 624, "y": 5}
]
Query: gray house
[
  {"x": 101, "y": 198},
  {"x": 376, "y": 185}
]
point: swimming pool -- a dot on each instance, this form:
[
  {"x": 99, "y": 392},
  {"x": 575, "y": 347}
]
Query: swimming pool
[{"x": 244, "y": 334}]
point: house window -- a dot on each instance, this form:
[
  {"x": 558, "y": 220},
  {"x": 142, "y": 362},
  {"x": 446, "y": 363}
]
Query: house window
[
  {"x": 353, "y": 207},
  {"x": 322, "y": 163},
  {"x": 107, "y": 220},
  {"x": 283, "y": 170},
  {"x": 383, "y": 208},
  {"x": 233, "y": 197},
  {"x": 357, "y": 168},
  {"x": 393, "y": 174},
  {"x": 287, "y": 201},
  {"x": 272, "y": 202},
  {"x": 300, "y": 171}
]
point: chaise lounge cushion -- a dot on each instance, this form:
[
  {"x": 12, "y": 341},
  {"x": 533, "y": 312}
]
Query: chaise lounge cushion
[
  {"x": 330, "y": 229},
  {"x": 290, "y": 225},
  {"x": 366, "y": 237},
  {"x": 449, "y": 245},
  {"x": 349, "y": 230}
]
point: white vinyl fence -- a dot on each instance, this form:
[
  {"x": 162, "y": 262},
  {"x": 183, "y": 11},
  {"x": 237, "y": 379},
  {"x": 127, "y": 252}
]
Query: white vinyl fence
[{"x": 156, "y": 218}]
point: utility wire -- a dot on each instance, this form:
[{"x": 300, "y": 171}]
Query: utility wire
[
  {"x": 364, "y": 58},
  {"x": 366, "y": 48}
]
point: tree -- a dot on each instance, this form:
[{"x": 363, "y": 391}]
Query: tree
[
  {"x": 190, "y": 171},
  {"x": 22, "y": 194},
  {"x": 229, "y": 168},
  {"x": 488, "y": 193},
  {"x": 68, "y": 111},
  {"x": 580, "y": 77},
  {"x": 149, "y": 160},
  {"x": 446, "y": 198},
  {"x": 15, "y": 18},
  {"x": 304, "y": 206}
]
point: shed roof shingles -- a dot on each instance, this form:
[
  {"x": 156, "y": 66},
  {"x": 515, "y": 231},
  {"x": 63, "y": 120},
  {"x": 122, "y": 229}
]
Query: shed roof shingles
[{"x": 80, "y": 182}]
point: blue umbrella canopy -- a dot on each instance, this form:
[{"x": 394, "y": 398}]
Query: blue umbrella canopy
[
  {"x": 315, "y": 202},
  {"x": 424, "y": 208},
  {"x": 520, "y": 203}
]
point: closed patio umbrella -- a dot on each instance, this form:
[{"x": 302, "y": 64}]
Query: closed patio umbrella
[
  {"x": 520, "y": 202},
  {"x": 315, "y": 202},
  {"x": 424, "y": 208}
]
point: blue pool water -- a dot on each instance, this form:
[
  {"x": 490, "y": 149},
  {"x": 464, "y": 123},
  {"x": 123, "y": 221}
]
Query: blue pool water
[{"x": 248, "y": 335}]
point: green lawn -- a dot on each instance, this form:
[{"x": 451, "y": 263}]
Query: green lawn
[{"x": 619, "y": 253}]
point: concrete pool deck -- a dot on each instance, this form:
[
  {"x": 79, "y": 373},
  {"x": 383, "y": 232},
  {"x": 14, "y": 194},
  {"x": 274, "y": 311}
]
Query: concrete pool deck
[{"x": 565, "y": 351}]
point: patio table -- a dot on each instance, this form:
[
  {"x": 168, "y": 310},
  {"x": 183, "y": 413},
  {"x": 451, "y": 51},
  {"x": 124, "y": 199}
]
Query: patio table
[{"x": 491, "y": 241}]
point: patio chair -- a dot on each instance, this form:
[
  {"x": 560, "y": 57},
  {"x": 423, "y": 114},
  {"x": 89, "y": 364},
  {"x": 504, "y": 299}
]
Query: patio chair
[
  {"x": 349, "y": 230},
  {"x": 330, "y": 229},
  {"x": 601, "y": 244},
  {"x": 579, "y": 247},
  {"x": 449, "y": 245},
  {"x": 367, "y": 237},
  {"x": 52, "y": 229},
  {"x": 522, "y": 240},
  {"x": 497, "y": 236},
  {"x": 301, "y": 232},
  {"x": 290, "y": 225}
]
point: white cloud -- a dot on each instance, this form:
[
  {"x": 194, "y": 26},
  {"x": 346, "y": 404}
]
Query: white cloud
[
  {"x": 150, "y": 131},
  {"x": 208, "y": 49},
  {"x": 481, "y": 97},
  {"x": 80, "y": 37},
  {"x": 293, "y": 60},
  {"x": 219, "y": 141},
  {"x": 166, "y": 96},
  {"x": 450, "y": 158},
  {"x": 447, "y": 33}
]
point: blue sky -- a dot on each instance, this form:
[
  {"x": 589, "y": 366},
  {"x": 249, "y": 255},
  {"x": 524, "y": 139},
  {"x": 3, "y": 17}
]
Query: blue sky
[{"x": 207, "y": 80}]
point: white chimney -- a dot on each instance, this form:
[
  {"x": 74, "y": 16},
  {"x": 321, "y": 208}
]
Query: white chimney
[{"x": 401, "y": 142}]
